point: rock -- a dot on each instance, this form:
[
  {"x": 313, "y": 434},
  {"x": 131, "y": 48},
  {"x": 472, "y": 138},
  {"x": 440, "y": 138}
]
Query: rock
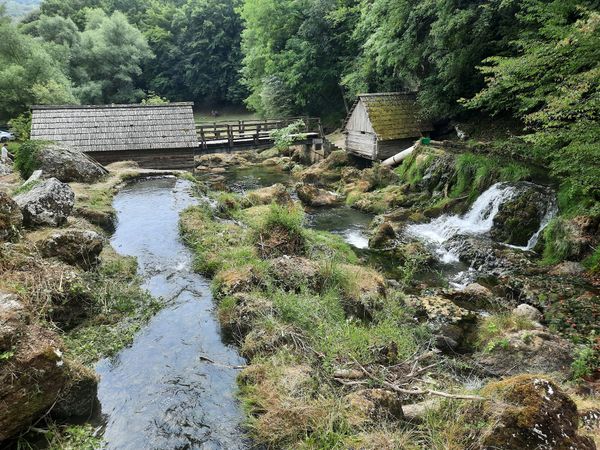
[
  {"x": 416, "y": 412},
  {"x": 325, "y": 172},
  {"x": 531, "y": 413},
  {"x": 567, "y": 268},
  {"x": 79, "y": 396},
  {"x": 528, "y": 311},
  {"x": 31, "y": 380},
  {"x": 373, "y": 406},
  {"x": 313, "y": 196},
  {"x": 47, "y": 204},
  {"x": 295, "y": 272},
  {"x": 76, "y": 247},
  {"x": 13, "y": 319},
  {"x": 527, "y": 351},
  {"x": 276, "y": 193},
  {"x": 11, "y": 218},
  {"x": 443, "y": 311},
  {"x": 383, "y": 236},
  {"x": 5, "y": 169},
  {"x": 104, "y": 219},
  {"x": 68, "y": 164},
  {"x": 520, "y": 217},
  {"x": 477, "y": 290},
  {"x": 36, "y": 175}
]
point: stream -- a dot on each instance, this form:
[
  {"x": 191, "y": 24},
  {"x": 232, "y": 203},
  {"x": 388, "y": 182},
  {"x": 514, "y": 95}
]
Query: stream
[{"x": 160, "y": 393}]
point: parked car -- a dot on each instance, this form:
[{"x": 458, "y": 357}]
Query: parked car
[{"x": 6, "y": 136}]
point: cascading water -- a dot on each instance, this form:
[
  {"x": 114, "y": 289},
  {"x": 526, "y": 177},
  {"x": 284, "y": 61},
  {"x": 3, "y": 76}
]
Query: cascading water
[{"x": 477, "y": 221}]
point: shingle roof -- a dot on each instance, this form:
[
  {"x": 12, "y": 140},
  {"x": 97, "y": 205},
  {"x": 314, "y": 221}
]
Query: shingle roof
[
  {"x": 393, "y": 115},
  {"x": 116, "y": 127}
]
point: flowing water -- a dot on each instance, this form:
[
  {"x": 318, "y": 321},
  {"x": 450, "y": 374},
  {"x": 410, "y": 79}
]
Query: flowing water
[
  {"x": 477, "y": 221},
  {"x": 162, "y": 393}
]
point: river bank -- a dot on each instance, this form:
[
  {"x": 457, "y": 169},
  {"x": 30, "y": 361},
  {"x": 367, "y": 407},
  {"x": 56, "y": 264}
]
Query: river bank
[
  {"x": 334, "y": 337},
  {"x": 68, "y": 299}
]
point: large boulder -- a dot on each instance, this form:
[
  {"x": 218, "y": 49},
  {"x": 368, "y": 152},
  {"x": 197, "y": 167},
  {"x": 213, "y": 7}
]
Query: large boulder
[
  {"x": 313, "y": 196},
  {"x": 11, "y": 218},
  {"x": 48, "y": 203},
  {"x": 76, "y": 247},
  {"x": 530, "y": 413},
  {"x": 521, "y": 216},
  {"x": 68, "y": 164}
]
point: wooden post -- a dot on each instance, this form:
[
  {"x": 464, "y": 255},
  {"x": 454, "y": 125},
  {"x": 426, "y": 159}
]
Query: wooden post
[{"x": 230, "y": 136}]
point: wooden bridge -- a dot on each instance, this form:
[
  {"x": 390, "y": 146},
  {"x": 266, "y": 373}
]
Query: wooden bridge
[{"x": 246, "y": 134}]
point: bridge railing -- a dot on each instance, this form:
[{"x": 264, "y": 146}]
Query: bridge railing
[{"x": 250, "y": 132}]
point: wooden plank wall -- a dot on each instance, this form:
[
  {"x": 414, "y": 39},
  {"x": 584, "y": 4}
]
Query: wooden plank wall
[
  {"x": 359, "y": 120},
  {"x": 182, "y": 159},
  {"x": 360, "y": 144}
]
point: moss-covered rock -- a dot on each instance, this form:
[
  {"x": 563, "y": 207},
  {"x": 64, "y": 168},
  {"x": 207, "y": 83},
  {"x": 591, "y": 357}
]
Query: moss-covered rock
[
  {"x": 311, "y": 195},
  {"x": 531, "y": 413},
  {"x": 520, "y": 217}
]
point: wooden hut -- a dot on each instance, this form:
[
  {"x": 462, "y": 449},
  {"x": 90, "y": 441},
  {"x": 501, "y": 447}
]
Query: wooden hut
[
  {"x": 155, "y": 136},
  {"x": 380, "y": 125}
]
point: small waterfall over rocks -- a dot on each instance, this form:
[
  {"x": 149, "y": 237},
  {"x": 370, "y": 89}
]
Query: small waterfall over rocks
[{"x": 479, "y": 220}]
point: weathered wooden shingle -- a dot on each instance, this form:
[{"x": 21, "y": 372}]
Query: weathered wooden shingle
[
  {"x": 392, "y": 115},
  {"x": 92, "y": 128}
]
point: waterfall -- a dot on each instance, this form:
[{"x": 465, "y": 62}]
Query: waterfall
[{"x": 478, "y": 220}]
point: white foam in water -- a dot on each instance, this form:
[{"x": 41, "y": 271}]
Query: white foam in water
[{"x": 478, "y": 220}]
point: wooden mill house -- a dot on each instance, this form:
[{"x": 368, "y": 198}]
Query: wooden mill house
[
  {"x": 380, "y": 125},
  {"x": 155, "y": 136}
]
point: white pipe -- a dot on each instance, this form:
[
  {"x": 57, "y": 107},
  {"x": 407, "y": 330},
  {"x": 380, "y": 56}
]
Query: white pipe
[{"x": 399, "y": 157}]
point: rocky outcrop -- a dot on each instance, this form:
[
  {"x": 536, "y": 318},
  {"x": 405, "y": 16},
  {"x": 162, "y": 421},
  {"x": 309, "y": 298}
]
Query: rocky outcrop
[
  {"x": 520, "y": 217},
  {"x": 530, "y": 413},
  {"x": 311, "y": 195},
  {"x": 76, "y": 247},
  {"x": 48, "y": 203},
  {"x": 11, "y": 218}
]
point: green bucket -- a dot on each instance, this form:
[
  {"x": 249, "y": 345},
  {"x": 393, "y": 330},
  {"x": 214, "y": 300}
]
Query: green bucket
[{"x": 425, "y": 140}]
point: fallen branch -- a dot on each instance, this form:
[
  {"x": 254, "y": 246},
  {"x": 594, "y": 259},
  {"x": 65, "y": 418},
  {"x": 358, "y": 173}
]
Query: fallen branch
[{"x": 400, "y": 390}]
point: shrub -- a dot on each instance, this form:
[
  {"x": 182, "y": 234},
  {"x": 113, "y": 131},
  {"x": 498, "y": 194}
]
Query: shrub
[
  {"x": 26, "y": 157},
  {"x": 20, "y": 126}
]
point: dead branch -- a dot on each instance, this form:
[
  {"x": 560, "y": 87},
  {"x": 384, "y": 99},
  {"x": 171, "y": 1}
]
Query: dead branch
[{"x": 400, "y": 390}]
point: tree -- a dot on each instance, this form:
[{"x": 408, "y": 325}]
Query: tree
[
  {"x": 29, "y": 74},
  {"x": 553, "y": 84},
  {"x": 107, "y": 60},
  {"x": 431, "y": 46},
  {"x": 294, "y": 59}
]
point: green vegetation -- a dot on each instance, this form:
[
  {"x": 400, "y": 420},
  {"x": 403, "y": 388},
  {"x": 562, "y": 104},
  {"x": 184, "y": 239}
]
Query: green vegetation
[
  {"x": 26, "y": 157},
  {"x": 492, "y": 330},
  {"x": 297, "y": 317},
  {"x": 118, "y": 309}
]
